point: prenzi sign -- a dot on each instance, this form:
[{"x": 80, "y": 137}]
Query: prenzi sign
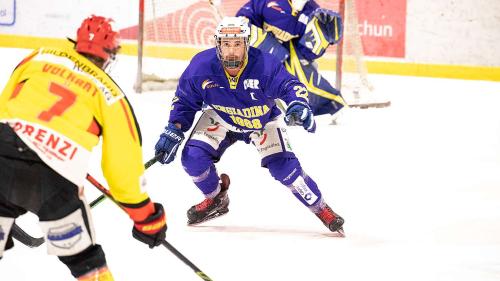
[{"x": 8, "y": 12}]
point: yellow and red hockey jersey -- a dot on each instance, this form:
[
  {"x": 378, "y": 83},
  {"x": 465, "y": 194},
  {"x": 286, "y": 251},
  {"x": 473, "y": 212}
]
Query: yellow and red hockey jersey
[{"x": 60, "y": 103}]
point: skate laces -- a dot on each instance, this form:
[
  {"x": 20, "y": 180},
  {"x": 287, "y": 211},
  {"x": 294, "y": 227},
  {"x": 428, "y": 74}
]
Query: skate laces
[
  {"x": 204, "y": 204},
  {"x": 326, "y": 215}
]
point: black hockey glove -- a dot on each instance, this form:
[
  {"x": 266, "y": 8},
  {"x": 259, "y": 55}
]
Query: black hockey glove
[{"x": 152, "y": 230}]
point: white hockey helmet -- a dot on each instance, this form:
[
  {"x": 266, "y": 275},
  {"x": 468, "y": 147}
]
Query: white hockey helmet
[
  {"x": 298, "y": 5},
  {"x": 232, "y": 28}
]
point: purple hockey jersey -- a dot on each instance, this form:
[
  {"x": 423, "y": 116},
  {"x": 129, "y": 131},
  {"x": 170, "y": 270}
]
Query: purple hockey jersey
[
  {"x": 245, "y": 101},
  {"x": 276, "y": 16}
]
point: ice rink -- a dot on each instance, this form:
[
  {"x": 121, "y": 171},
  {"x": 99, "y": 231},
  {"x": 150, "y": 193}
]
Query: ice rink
[{"x": 417, "y": 183}]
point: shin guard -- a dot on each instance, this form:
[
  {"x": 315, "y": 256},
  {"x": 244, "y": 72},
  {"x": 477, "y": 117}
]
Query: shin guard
[
  {"x": 306, "y": 190},
  {"x": 289, "y": 173}
]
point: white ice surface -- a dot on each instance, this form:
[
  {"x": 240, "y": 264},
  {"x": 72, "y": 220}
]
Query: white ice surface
[{"x": 417, "y": 183}]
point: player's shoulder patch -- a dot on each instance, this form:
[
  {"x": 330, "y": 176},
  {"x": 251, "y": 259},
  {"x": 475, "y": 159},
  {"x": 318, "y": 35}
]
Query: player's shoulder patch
[
  {"x": 111, "y": 91},
  {"x": 275, "y": 6}
]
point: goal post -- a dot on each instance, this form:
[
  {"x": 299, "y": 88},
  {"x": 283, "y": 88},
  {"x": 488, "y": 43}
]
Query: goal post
[
  {"x": 340, "y": 47},
  {"x": 180, "y": 28},
  {"x": 140, "y": 45}
]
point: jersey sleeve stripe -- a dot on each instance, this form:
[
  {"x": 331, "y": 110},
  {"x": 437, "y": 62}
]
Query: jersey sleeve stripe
[
  {"x": 94, "y": 128},
  {"x": 137, "y": 127},
  {"x": 128, "y": 119},
  {"x": 26, "y": 59},
  {"x": 17, "y": 89}
]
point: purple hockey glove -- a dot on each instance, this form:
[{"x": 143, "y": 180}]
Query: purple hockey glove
[
  {"x": 300, "y": 114},
  {"x": 169, "y": 142},
  {"x": 331, "y": 24}
]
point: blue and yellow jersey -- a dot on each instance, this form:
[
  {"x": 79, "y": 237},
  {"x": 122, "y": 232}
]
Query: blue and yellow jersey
[
  {"x": 287, "y": 25},
  {"x": 59, "y": 103},
  {"x": 246, "y": 102}
]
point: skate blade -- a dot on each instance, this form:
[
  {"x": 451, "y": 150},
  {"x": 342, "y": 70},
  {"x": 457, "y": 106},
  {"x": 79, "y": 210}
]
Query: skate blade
[
  {"x": 340, "y": 232},
  {"x": 210, "y": 217}
]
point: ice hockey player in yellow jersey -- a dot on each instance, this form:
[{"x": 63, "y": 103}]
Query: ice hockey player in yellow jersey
[{"x": 53, "y": 110}]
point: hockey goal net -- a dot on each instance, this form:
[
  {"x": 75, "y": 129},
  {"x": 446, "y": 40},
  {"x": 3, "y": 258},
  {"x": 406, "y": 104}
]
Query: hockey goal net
[{"x": 177, "y": 29}]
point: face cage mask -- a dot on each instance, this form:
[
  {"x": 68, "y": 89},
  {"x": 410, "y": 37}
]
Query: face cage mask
[
  {"x": 231, "y": 63},
  {"x": 111, "y": 62}
]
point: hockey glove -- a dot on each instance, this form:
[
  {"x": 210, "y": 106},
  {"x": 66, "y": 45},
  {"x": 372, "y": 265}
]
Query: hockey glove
[
  {"x": 300, "y": 114},
  {"x": 169, "y": 142},
  {"x": 330, "y": 23},
  {"x": 151, "y": 231}
]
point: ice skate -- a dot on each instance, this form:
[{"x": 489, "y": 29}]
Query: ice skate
[
  {"x": 211, "y": 208},
  {"x": 331, "y": 220}
]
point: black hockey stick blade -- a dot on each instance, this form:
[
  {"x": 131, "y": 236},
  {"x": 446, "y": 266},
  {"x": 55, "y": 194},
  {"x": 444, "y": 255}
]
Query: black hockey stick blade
[{"x": 20, "y": 235}]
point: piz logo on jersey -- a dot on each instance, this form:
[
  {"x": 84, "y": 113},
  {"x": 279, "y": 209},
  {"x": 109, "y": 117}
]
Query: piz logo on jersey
[
  {"x": 209, "y": 84},
  {"x": 251, "y": 83},
  {"x": 66, "y": 236},
  {"x": 263, "y": 136},
  {"x": 214, "y": 125}
]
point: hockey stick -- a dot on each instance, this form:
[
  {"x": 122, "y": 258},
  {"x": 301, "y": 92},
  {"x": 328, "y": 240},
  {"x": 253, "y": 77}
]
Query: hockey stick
[
  {"x": 102, "y": 196},
  {"x": 165, "y": 243},
  {"x": 30, "y": 241},
  {"x": 20, "y": 235}
]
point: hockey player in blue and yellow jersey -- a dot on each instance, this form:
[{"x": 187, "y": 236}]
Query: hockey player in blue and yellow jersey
[
  {"x": 53, "y": 111},
  {"x": 239, "y": 85},
  {"x": 298, "y": 32}
]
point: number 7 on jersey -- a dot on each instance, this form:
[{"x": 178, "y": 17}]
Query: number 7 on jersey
[{"x": 67, "y": 99}]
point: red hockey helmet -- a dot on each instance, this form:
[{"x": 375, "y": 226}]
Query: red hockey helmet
[{"x": 96, "y": 37}]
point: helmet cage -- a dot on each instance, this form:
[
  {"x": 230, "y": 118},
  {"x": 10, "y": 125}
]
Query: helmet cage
[
  {"x": 232, "y": 28},
  {"x": 231, "y": 63}
]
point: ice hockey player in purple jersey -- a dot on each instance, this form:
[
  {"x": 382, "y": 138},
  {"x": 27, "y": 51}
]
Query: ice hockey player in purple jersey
[
  {"x": 239, "y": 85},
  {"x": 298, "y": 32}
]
